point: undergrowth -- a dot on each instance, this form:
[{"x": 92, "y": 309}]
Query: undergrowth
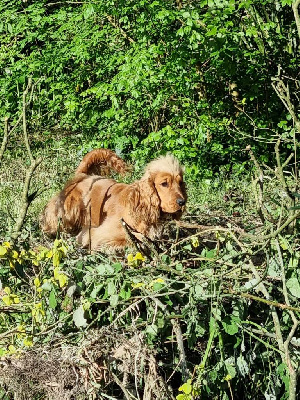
[{"x": 212, "y": 313}]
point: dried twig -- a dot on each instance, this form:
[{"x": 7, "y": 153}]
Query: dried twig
[
  {"x": 295, "y": 6},
  {"x": 5, "y": 138},
  {"x": 34, "y": 163},
  {"x": 26, "y": 199}
]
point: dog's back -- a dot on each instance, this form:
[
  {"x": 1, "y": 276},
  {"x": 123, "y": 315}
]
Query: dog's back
[{"x": 72, "y": 208}]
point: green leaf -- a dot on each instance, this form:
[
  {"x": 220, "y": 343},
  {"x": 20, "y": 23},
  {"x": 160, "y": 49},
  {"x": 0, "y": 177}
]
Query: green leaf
[
  {"x": 284, "y": 244},
  {"x": 117, "y": 267},
  {"x": 96, "y": 290},
  {"x": 111, "y": 288},
  {"x": 89, "y": 10},
  {"x": 242, "y": 365},
  {"x": 230, "y": 325},
  {"x": 199, "y": 290},
  {"x": 293, "y": 286},
  {"x": 52, "y": 299},
  {"x": 101, "y": 269},
  {"x": 3, "y": 250},
  {"x": 179, "y": 267},
  {"x": 56, "y": 259},
  {"x": 78, "y": 318},
  {"x": 183, "y": 396},
  {"x": 151, "y": 329},
  {"x": 114, "y": 299},
  {"x": 230, "y": 366},
  {"x": 186, "y": 387},
  {"x": 125, "y": 294},
  {"x": 47, "y": 286}
]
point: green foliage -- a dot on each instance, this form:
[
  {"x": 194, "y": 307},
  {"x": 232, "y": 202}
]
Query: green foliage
[
  {"x": 229, "y": 343},
  {"x": 148, "y": 77}
]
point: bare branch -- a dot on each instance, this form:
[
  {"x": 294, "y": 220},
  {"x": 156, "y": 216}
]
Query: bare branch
[
  {"x": 26, "y": 199},
  {"x": 29, "y": 85},
  {"x": 295, "y": 6},
  {"x": 5, "y": 138}
]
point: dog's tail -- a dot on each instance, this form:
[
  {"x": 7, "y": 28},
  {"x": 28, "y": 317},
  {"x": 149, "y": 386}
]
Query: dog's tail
[{"x": 102, "y": 162}]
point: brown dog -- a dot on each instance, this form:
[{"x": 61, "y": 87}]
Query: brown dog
[{"x": 93, "y": 206}]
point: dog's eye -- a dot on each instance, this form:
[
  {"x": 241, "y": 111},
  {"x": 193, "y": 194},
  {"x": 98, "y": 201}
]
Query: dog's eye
[{"x": 164, "y": 184}]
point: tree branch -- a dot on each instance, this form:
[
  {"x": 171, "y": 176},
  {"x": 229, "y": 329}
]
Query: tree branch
[
  {"x": 295, "y": 6},
  {"x": 26, "y": 199},
  {"x": 5, "y": 138}
]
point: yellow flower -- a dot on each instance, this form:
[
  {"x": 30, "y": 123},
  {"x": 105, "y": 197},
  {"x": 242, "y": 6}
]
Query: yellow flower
[
  {"x": 130, "y": 259},
  {"x": 21, "y": 328},
  {"x": 139, "y": 256},
  {"x": 137, "y": 285},
  {"x": 135, "y": 260},
  {"x": 12, "y": 349},
  {"x": 195, "y": 241},
  {"x": 20, "y": 331},
  {"x": 28, "y": 341},
  {"x": 37, "y": 282}
]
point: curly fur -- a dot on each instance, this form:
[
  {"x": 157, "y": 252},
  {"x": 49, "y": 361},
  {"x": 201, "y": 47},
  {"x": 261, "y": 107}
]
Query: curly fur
[{"x": 92, "y": 206}]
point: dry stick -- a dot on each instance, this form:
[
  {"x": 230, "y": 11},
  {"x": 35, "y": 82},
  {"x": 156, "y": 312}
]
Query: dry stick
[
  {"x": 5, "y": 138},
  {"x": 279, "y": 171},
  {"x": 262, "y": 211},
  {"x": 179, "y": 339},
  {"x": 265, "y": 292},
  {"x": 25, "y": 199},
  {"x": 127, "y": 394},
  {"x": 273, "y": 234},
  {"x": 294, "y": 340},
  {"x": 295, "y": 6},
  {"x": 280, "y": 175},
  {"x": 6, "y": 135},
  {"x": 110, "y": 19},
  {"x": 283, "y": 93},
  {"x": 269, "y": 302},
  {"x": 29, "y": 85},
  {"x": 292, "y": 372}
]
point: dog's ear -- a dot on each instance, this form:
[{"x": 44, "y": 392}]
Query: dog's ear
[{"x": 144, "y": 202}]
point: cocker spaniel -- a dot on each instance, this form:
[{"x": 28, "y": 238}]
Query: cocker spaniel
[{"x": 93, "y": 206}]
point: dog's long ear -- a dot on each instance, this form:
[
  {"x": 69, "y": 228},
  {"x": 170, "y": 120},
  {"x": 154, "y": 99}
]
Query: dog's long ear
[{"x": 144, "y": 202}]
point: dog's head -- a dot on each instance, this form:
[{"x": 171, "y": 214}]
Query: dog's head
[{"x": 165, "y": 176}]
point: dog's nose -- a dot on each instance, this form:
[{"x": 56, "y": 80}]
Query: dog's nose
[{"x": 180, "y": 202}]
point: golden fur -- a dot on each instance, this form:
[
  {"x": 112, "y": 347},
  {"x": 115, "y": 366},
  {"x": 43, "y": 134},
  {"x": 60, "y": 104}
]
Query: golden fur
[{"x": 92, "y": 206}]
